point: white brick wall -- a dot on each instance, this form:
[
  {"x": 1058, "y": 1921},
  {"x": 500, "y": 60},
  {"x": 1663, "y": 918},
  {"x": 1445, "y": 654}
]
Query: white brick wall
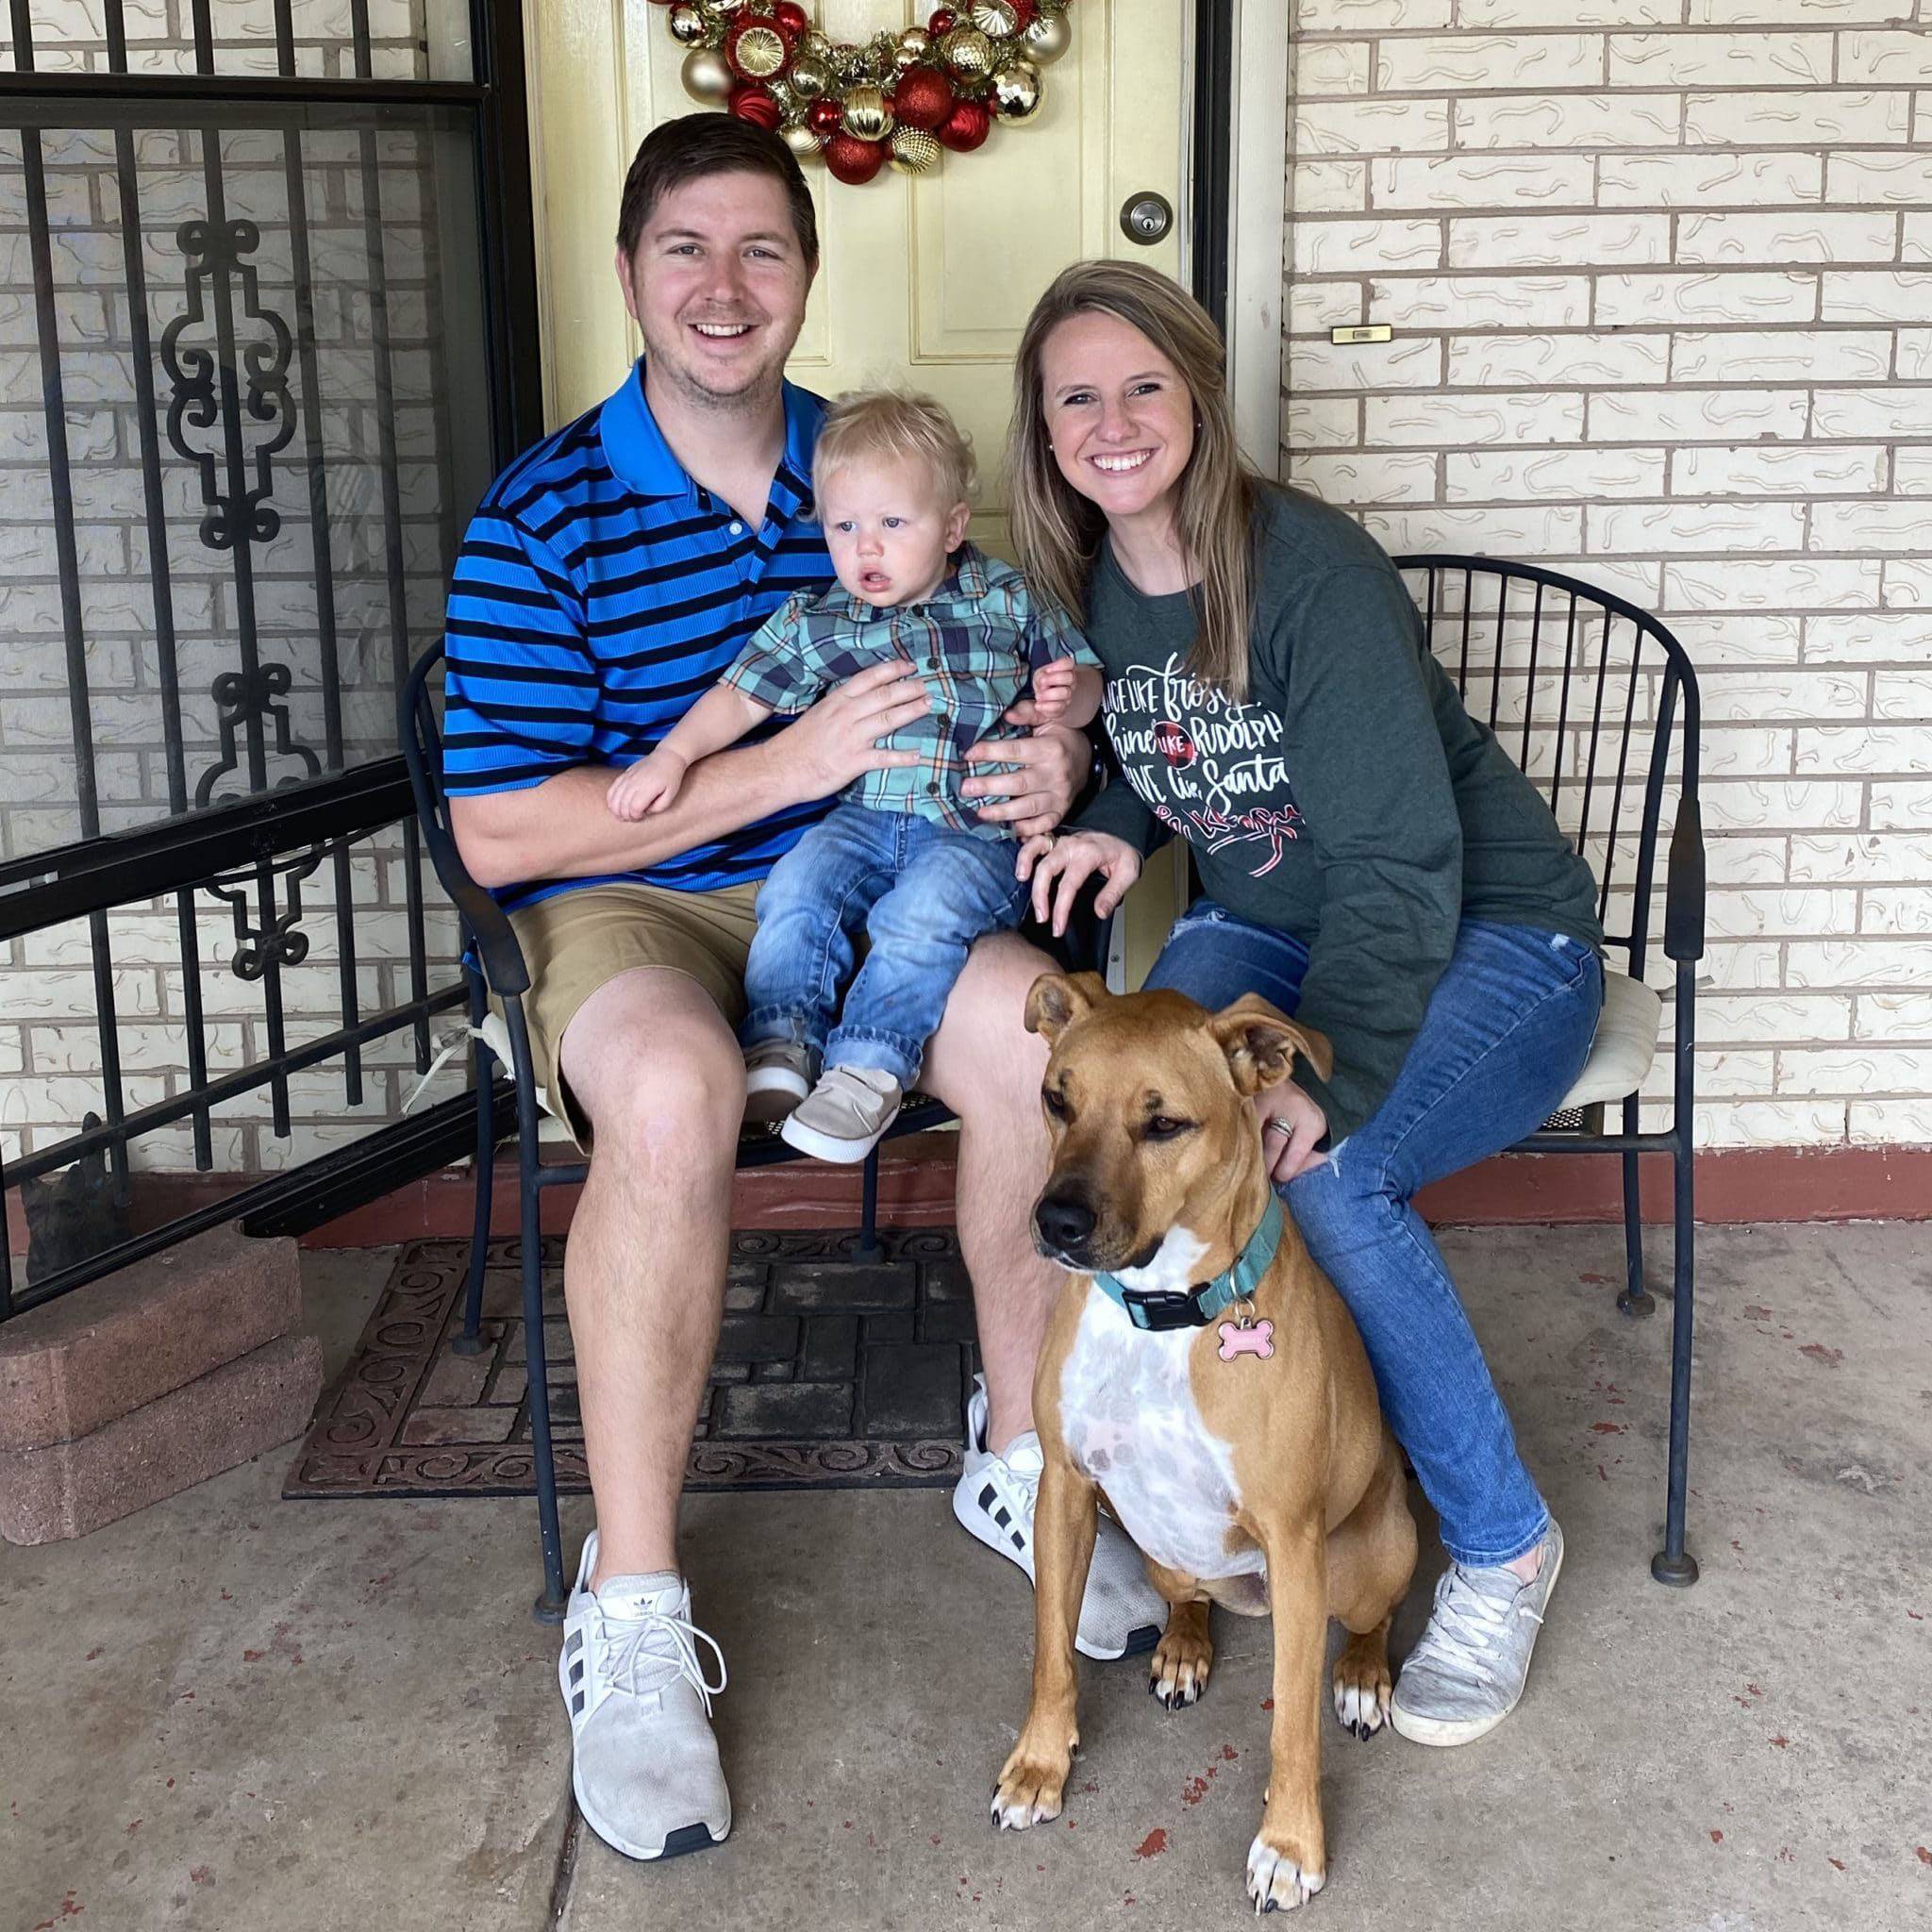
[{"x": 1660, "y": 279}]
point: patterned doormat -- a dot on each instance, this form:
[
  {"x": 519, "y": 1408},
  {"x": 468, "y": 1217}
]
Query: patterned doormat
[{"x": 832, "y": 1372}]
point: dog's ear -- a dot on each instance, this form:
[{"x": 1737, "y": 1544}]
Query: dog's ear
[
  {"x": 1057, "y": 999},
  {"x": 1262, "y": 1043}
]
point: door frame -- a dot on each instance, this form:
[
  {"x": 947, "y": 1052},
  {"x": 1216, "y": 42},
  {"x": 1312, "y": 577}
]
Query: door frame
[{"x": 1241, "y": 79}]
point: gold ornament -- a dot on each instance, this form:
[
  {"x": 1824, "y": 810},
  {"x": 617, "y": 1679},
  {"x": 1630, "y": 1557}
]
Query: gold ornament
[
  {"x": 998, "y": 19},
  {"x": 1047, "y": 38},
  {"x": 809, "y": 77},
  {"x": 867, "y": 115},
  {"x": 915, "y": 151},
  {"x": 915, "y": 44},
  {"x": 1016, "y": 91},
  {"x": 967, "y": 52},
  {"x": 803, "y": 142},
  {"x": 687, "y": 23},
  {"x": 760, "y": 53},
  {"x": 707, "y": 76},
  {"x": 813, "y": 45},
  {"x": 721, "y": 11}
]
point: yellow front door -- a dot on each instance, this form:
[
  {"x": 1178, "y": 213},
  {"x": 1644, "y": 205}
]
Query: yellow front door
[{"x": 926, "y": 282}]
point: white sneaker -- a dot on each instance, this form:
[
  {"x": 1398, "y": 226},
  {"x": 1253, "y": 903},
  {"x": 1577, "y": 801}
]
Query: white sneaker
[
  {"x": 644, "y": 1764},
  {"x": 778, "y": 1075},
  {"x": 846, "y": 1115},
  {"x": 1121, "y": 1612}
]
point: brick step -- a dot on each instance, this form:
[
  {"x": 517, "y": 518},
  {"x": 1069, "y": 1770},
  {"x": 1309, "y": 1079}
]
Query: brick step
[
  {"x": 166, "y": 1445},
  {"x": 104, "y": 1350}
]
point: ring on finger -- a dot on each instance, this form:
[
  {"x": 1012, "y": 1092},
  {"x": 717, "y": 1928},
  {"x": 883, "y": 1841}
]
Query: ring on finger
[{"x": 1277, "y": 1125}]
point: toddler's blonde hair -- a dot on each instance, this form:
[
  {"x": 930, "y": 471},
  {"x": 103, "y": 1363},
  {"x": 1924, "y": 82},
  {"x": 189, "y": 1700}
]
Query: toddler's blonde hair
[{"x": 899, "y": 426}]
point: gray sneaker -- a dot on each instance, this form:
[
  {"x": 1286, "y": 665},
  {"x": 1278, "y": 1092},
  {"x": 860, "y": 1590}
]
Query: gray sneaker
[
  {"x": 1467, "y": 1672},
  {"x": 778, "y": 1075},
  {"x": 846, "y": 1115}
]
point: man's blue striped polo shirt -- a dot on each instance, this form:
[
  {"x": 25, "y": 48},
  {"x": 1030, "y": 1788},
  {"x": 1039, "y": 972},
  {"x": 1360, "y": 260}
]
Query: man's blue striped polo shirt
[{"x": 599, "y": 594}]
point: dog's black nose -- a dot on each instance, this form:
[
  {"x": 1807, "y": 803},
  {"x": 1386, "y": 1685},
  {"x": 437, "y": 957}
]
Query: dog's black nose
[{"x": 1064, "y": 1221}]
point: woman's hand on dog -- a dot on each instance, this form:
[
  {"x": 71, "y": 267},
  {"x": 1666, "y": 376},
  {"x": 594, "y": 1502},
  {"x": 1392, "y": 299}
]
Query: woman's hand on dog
[
  {"x": 1292, "y": 1124},
  {"x": 1072, "y": 861}
]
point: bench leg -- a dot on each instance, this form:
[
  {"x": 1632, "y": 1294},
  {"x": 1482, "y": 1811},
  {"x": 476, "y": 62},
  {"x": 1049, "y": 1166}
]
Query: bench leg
[
  {"x": 549, "y": 1608},
  {"x": 1636, "y": 1298},
  {"x": 469, "y": 1341},
  {"x": 1674, "y": 1564},
  {"x": 868, "y": 1248}
]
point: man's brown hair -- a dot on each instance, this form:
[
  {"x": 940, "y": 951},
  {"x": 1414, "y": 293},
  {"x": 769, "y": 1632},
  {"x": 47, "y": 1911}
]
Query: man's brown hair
[{"x": 695, "y": 145}]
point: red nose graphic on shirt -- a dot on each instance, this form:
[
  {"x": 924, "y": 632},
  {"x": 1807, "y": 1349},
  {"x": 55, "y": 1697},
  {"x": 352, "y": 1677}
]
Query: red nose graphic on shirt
[{"x": 1173, "y": 743}]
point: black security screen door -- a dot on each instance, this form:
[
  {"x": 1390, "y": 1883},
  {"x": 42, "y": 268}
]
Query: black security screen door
[{"x": 265, "y": 300}]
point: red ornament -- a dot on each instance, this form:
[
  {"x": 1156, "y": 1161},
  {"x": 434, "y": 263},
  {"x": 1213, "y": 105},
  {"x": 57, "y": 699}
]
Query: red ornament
[
  {"x": 943, "y": 22},
  {"x": 757, "y": 105},
  {"x": 924, "y": 98},
  {"x": 794, "y": 20},
  {"x": 1026, "y": 12},
  {"x": 853, "y": 160},
  {"x": 965, "y": 128},
  {"x": 825, "y": 115}
]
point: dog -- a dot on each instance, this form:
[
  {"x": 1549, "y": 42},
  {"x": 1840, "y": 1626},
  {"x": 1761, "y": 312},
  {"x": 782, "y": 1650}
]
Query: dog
[{"x": 1241, "y": 1446}]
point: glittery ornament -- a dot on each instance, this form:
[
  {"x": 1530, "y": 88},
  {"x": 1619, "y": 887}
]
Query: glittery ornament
[
  {"x": 1047, "y": 39},
  {"x": 853, "y": 160},
  {"x": 998, "y": 19},
  {"x": 1016, "y": 91},
  {"x": 757, "y": 48},
  {"x": 755, "y": 103},
  {"x": 809, "y": 77},
  {"x": 967, "y": 51},
  {"x": 965, "y": 127},
  {"x": 915, "y": 151},
  {"x": 924, "y": 98},
  {"x": 707, "y": 76},
  {"x": 866, "y": 114}
]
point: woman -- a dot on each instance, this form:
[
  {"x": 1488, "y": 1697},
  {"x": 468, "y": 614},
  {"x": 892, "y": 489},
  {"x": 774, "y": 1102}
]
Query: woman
[{"x": 1371, "y": 862}]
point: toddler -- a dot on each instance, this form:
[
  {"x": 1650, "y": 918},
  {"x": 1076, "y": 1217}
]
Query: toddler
[{"x": 902, "y": 856}]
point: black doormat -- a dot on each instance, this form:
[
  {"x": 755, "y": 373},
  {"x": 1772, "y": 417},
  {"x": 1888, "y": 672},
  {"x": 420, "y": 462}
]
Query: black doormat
[{"x": 833, "y": 1371}]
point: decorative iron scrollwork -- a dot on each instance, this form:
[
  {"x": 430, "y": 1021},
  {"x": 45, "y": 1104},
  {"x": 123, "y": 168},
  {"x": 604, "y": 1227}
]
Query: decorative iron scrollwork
[
  {"x": 275, "y": 937},
  {"x": 240, "y": 695},
  {"x": 242, "y": 513}
]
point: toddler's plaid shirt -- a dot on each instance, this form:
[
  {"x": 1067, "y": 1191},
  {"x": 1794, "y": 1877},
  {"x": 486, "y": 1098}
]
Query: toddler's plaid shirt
[{"x": 977, "y": 641}]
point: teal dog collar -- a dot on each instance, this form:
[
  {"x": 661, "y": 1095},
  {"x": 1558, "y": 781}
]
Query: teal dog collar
[{"x": 1157, "y": 1310}]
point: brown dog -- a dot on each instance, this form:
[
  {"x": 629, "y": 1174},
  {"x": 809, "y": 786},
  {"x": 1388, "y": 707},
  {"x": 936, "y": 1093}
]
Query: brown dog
[{"x": 1247, "y": 1457}]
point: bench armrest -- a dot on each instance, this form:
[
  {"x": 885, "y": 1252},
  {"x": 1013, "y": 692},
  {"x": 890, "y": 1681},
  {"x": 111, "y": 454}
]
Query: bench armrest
[{"x": 1684, "y": 886}]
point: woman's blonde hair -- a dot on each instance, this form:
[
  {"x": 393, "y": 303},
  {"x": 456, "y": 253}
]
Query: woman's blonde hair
[
  {"x": 1057, "y": 532},
  {"x": 899, "y": 426}
]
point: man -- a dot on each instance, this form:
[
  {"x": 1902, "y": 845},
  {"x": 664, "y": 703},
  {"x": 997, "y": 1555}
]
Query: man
[{"x": 610, "y": 575}]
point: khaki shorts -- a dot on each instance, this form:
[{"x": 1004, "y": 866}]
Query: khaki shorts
[{"x": 580, "y": 941}]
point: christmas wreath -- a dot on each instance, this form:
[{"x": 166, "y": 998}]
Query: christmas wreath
[{"x": 900, "y": 99}]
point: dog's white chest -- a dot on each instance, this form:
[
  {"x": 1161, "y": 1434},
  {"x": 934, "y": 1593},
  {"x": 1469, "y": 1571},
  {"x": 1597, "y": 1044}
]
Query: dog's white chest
[{"x": 1129, "y": 1420}]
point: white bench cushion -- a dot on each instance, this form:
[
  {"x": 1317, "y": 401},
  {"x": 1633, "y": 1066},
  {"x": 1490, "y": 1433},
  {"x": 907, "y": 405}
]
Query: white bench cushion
[{"x": 1625, "y": 1042}]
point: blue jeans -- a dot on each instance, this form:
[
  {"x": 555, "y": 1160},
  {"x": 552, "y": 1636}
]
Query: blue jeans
[
  {"x": 1503, "y": 1037},
  {"x": 921, "y": 892}
]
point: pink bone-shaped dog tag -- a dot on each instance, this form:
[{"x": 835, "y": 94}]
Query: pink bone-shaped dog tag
[{"x": 1255, "y": 1339}]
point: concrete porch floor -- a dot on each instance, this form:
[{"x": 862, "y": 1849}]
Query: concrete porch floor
[{"x": 233, "y": 1712}]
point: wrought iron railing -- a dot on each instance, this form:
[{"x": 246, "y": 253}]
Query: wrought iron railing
[{"x": 279, "y": 298}]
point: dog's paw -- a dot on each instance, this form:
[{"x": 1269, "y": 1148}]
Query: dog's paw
[
  {"x": 1178, "y": 1675},
  {"x": 1029, "y": 1791},
  {"x": 1278, "y": 1882},
  {"x": 1362, "y": 1700}
]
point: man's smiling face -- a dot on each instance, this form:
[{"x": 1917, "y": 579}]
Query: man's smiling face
[{"x": 717, "y": 285}]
